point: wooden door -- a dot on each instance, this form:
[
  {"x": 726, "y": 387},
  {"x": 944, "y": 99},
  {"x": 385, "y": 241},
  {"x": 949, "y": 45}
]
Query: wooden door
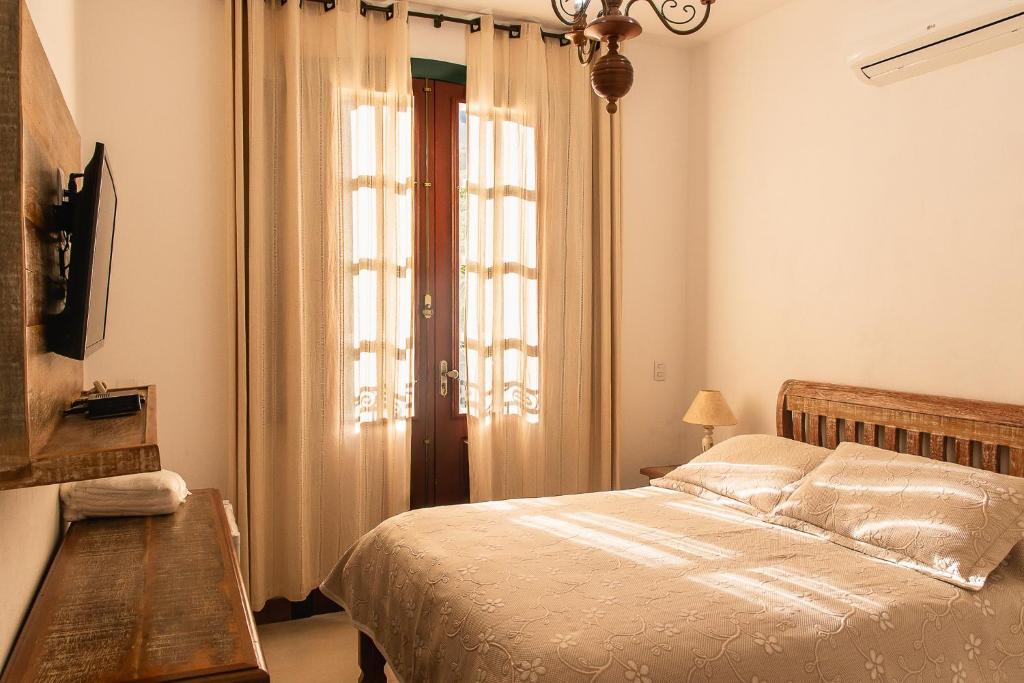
[{"x": 440, "y": 465}]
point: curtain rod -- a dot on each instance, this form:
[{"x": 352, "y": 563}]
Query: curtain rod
[{"x": 513, "y": 30}]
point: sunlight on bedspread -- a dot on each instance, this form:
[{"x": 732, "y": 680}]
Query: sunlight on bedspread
[{"x": 652, "y": 585}]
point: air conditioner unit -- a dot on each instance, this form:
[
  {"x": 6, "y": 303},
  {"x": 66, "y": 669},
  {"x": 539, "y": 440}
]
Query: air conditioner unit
[{"x": 977, "y": 28}]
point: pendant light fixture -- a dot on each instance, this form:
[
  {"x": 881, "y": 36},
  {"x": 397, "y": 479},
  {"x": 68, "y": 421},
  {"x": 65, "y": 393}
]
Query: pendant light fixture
[{"x": 612, "y": 74}]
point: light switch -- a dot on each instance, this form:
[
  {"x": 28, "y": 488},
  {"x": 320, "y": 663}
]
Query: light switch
[{"x": 659, "y": 371}]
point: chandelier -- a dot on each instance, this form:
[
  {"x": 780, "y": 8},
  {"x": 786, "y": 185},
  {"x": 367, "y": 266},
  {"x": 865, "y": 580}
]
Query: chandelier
[{"x": 612, "y": 74}]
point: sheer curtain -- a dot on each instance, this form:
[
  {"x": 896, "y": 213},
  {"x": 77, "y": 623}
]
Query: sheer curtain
[
  {"x": 541, "y": 264},
  {"x": 324, "y": 284}
]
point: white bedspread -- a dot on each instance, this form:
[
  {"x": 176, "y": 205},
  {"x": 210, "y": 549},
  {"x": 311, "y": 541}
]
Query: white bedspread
[{"x": 654, "y": 586}]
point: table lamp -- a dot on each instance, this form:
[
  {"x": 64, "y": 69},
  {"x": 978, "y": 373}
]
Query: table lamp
[{"x": 709, "y": 410}]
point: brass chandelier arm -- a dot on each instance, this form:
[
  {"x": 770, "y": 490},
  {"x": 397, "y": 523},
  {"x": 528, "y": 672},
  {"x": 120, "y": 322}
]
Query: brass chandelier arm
[
  {"x": 569, "y": 15},
  {"x": 664, "y": 9},
  {"x": 587, "y": 51}
]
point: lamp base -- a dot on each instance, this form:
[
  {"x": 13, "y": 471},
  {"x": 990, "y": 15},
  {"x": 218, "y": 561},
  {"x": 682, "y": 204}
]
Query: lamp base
[{"x": 709, "y": 438}]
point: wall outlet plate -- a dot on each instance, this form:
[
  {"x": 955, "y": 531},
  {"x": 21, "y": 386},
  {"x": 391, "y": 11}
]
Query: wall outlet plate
[{"x": 659, "y": 371}]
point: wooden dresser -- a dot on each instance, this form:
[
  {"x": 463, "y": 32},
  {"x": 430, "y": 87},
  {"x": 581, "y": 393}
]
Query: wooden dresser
[{"x": 142, "y": 598}]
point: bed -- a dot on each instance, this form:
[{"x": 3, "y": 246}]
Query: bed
[{"x": 654, "y": 585}]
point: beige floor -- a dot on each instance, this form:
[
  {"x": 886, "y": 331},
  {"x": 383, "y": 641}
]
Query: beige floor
[{"x": 321, "y": 649}]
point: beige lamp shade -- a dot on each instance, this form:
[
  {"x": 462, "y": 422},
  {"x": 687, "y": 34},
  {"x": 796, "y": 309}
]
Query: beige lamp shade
[{"x": 710, "y": 409}]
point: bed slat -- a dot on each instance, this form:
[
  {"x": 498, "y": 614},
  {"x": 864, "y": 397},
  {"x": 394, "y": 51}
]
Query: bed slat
[
  {"x": 937, "y": 447},
  {"x": 831, "y": 432},
  {"x": 990, "y": 457},
  {"x": 814, "y": 430},
  {"x": 850, "y": 431},
  {"x": 889, "y": 438},
  {"x": 1017, "y": 462},
  {"x": 798, "y": 426},
  {"x": 913, "y": 442},
  {"x": 870, "y": 434},
  {"x": 963, "y": 452}
]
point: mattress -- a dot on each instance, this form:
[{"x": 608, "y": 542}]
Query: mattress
[{"x": 656, "y": 585}]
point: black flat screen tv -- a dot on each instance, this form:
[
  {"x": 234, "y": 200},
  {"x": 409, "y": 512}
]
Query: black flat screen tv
[{"x": 81, "y": 326}]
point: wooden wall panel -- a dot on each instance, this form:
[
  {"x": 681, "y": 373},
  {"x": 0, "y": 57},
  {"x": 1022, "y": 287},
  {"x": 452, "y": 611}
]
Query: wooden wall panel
[
  {"x": 50, "y": 143},
  {"x": 53, "y": 382},
  {"x": 14, "y": 445},
  {"x": 37, "y": 137}
]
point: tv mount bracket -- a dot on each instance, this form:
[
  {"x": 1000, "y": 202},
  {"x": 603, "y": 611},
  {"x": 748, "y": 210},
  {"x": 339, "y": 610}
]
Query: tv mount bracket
[{"x": 63, "y": 230}]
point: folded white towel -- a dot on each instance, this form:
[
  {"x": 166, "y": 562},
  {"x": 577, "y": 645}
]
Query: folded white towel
[{"x": 150, "y": 493}]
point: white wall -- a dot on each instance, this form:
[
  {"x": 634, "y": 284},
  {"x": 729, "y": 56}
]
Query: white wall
[
  {"x": 29, "y": 530},
  {"x": 850, "y": 233},
  {"x": 445, "y": 44},
  {"x": 654, "y": 196},
  {"x": 30, "y": 518},
  {"x": 55, "y": 23},
  {"x": 153, "y": 85}
]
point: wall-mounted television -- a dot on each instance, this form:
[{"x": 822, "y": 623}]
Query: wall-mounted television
[{"x": 89, "y": 216}]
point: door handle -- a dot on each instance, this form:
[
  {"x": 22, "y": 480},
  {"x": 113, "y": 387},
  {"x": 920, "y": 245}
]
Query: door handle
[{"x": 446, "y": 374}]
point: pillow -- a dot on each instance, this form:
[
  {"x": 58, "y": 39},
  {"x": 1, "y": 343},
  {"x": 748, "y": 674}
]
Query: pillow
[
  {"x": 951, "y": 522},
  {"x": 129, "y": 495},
  {"x": 751, "y": 472}
]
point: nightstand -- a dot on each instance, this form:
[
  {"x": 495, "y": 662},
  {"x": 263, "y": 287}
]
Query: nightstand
[{"x": 657, "y": 472}]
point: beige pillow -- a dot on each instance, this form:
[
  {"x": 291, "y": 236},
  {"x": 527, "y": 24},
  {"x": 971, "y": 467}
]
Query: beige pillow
[
  {"x": 948, "y": 521},
  {"x": 751, "y": 472}
]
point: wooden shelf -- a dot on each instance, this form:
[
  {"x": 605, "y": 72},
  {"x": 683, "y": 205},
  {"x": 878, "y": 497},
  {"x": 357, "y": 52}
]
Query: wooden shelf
[
  {"x": 150, "y": 599},
  {"x": 80, "y": 448}
]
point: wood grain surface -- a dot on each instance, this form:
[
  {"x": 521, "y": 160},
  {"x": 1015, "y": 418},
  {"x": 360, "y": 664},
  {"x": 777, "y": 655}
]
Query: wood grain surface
[
  {"x": 50, "y": 143},
  {"x": 978, "y": 434},
  {"x": 14, "y": 445},
  {"x": 142, "y": 598}
]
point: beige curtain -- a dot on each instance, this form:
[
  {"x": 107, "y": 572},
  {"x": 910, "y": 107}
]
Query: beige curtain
[
  {"x": 541, "y": 270},
  {"x": 324, "y": 286}
]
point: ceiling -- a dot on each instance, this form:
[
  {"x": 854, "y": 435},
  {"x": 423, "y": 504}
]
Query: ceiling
[{"x": 725, "y": 15}]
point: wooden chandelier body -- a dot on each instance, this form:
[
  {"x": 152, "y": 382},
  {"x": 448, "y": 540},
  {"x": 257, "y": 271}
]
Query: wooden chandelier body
[{"x": 612, "y": 73}]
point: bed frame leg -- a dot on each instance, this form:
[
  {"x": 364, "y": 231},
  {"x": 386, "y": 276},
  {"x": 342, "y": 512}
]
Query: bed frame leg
[{"x": 371, "y": 661}]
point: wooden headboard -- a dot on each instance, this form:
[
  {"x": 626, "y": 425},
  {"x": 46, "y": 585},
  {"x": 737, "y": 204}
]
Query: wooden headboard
[{"x": 979, "y": 434}]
